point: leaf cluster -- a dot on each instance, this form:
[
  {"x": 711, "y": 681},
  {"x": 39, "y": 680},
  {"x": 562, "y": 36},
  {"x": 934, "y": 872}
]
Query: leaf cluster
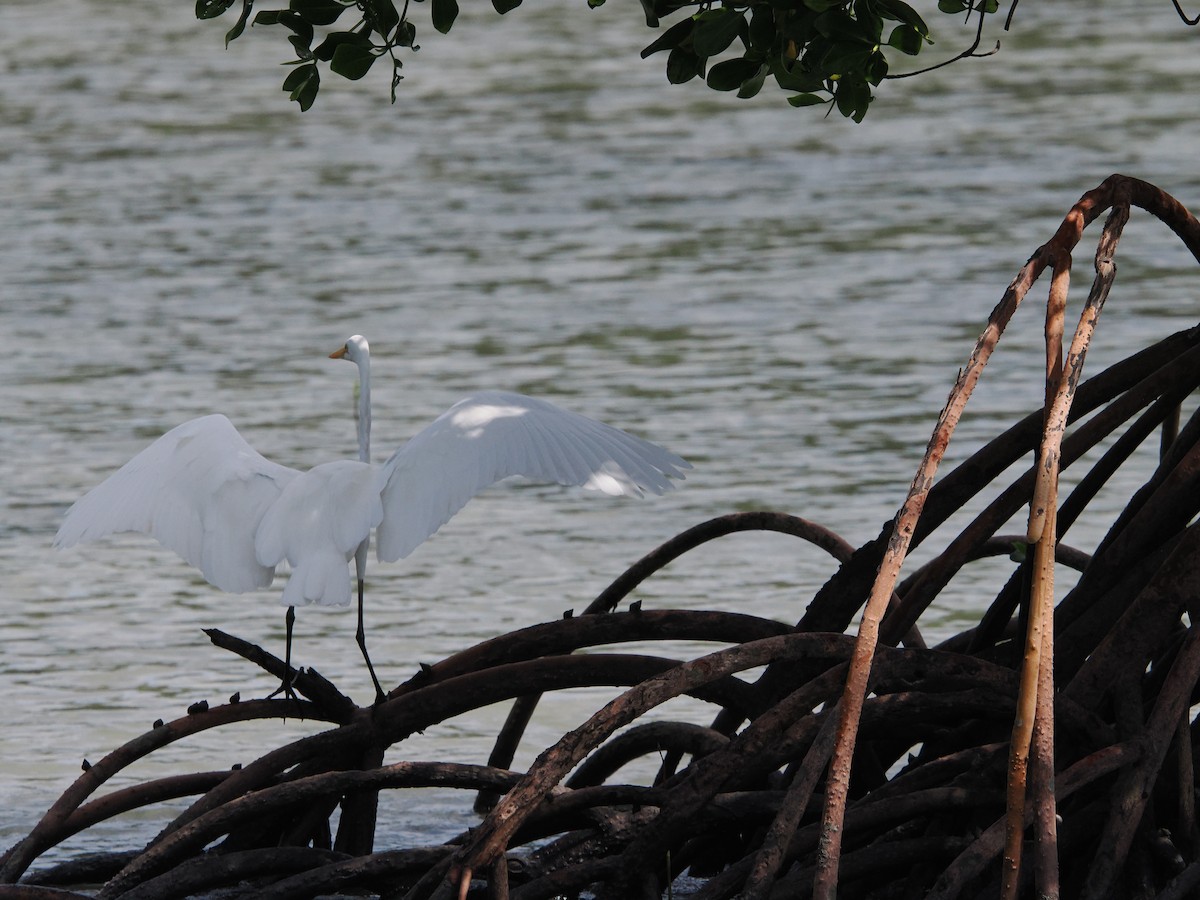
[
  {"x": 820, "y": 52},
  {"x": 321, "y": 32}
]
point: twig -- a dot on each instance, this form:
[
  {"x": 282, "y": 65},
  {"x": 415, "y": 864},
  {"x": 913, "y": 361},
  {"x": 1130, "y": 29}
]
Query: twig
[
  {"x": 50, "y": 830},
  {"x": 522, "y": 710},
  {"x": 838, "y": 547},
  {"x": 966, "y": 54},
  {"x": 825, "y": 883},
  {"x": 1058, "y": 247},
  {"x": 1043, "y": 537},
  {"x": 338, "y": 707},
  {"x": 1045, "y": 810},
  {"x": 492, "y": 836},
  {"x": 972, "y": 861},
  {"x": 213, "y": 823},
  {"x": 1132, "y": 791},
  {"x": 1188, "y": 20},
  {"x": 771, "y": 853}
]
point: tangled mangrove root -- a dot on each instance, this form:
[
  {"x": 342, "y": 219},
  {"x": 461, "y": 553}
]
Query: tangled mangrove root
[{"x": 871, "y": 765}]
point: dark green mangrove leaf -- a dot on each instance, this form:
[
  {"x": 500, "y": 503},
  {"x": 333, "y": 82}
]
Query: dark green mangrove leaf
[
  {"x": 444, "y": 14},
  {"x": 351, "y": 61}
]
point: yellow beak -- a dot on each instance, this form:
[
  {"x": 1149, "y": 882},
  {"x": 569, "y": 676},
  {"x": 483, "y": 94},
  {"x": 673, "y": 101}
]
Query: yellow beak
[{"x": 338, "y": 354}]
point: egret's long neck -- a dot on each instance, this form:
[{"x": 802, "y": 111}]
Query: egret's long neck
[{"x": 364, "y": 409}]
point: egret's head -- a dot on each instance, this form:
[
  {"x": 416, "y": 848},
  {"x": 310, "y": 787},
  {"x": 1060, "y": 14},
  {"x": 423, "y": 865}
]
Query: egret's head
[{"x": 355, "y": 350}]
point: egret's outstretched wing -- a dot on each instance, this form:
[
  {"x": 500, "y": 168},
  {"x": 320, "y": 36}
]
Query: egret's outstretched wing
[
  {"x": 494, "y": 434},
  {"x": 200, "y": 490}
]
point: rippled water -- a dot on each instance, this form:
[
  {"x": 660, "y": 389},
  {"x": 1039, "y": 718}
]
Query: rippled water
[{"x": 781, "y": 298}]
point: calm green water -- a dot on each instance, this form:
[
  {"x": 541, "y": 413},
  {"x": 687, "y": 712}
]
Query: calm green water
[{"x": 781, "y": 298}]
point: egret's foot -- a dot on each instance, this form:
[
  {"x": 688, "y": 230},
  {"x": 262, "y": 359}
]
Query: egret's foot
[
  {"x": 285, "y": 688},
  {"x": 380, "y": 696}
]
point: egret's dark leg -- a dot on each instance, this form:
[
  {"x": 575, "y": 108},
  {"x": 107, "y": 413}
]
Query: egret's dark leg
[
  {"x": 286, "y": 687},
  {"x": 361, "y": 637}
]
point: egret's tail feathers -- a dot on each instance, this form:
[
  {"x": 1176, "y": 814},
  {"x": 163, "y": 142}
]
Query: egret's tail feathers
[{"x": 323, "y": 579}]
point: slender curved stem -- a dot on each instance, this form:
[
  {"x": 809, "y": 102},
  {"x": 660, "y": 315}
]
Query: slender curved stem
[
  {"x": 1070, "y": 231},
  {"x": 1188, "y": 20},
  {"x": 965, "y": 54}
]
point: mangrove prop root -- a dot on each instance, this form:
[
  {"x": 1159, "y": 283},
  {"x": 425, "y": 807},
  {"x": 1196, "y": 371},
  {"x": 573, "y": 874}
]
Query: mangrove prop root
[{"x": 866, "y": 764}]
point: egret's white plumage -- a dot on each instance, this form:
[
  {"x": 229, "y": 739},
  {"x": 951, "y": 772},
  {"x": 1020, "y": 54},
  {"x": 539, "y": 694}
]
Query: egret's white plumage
[
  {"x": 316, "y": 524},
  {"x": 201, "y": 491},
  {"x": 205, "y": 493},
  {"x": 495, "y": 434}
]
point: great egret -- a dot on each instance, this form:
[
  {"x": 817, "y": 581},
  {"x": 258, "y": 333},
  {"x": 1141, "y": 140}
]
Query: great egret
[{"x": 204, "y": 492}]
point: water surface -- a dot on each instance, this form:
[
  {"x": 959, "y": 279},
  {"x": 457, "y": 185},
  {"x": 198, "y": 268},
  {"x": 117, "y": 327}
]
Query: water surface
[{"x": 784, "y": 299}]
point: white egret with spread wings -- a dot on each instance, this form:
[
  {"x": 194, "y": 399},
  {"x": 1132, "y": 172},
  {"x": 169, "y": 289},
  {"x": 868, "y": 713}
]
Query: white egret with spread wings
[{"x": 204, "y": 492}]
